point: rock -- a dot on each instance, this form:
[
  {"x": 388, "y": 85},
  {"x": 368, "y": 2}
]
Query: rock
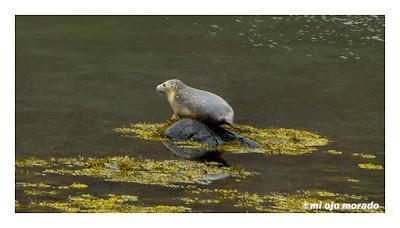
[
  {"x": 193, "y": 130},
  {"x": 188, "y": 153}
]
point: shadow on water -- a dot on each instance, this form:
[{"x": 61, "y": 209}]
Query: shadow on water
[{"x": 196, "y": 154}]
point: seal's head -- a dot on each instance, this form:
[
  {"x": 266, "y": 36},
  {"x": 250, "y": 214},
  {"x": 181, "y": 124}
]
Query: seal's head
[{"x": 170, "y": 86}]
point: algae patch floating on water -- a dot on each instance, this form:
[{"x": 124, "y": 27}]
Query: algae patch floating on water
[
  {"x": 370, "y": 166},
  {"x": 299, "y": 201},
  {"x": 364, "y": 155},
  {"x": 187, "y": 175},
  {"x": 87, "y": 203},
  {"x": 272, "y": 140},
  {"x": 169, "y": 173},
  {"x": 42, "y": 189},
  {"x": 334, "y": 152}
]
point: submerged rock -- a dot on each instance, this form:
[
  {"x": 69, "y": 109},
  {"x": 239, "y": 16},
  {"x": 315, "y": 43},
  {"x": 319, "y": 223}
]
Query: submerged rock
[{"x": 195, "y": 132}]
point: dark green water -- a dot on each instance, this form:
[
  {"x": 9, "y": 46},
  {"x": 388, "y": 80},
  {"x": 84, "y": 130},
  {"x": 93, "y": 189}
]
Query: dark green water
[{"x": 79, "y": 77}]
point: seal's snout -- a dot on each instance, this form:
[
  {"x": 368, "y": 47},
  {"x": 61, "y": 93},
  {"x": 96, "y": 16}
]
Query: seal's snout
[{"x": 160, "y": 89}]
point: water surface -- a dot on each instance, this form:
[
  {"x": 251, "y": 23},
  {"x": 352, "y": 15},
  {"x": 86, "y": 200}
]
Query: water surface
[{"x": 79, "y": 77}]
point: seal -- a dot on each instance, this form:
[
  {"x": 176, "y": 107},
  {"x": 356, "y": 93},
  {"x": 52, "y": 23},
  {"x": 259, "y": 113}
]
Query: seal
[{"x": 197, "y": 104}]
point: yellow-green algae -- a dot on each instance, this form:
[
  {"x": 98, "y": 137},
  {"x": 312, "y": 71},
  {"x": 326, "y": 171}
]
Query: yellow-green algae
[
  {"x": 36, "y": 192},
  {"x": 334, "y": 152},
  {"x": 250, "y": 202},
  {"x": 32, "y": 185},
  {"x": 353, "y": 180},
  {"x": 363, "y": 155},
  {"x": 43, "y": 185},
  {"x": 37, "y": 189},
  {"x": 85, "y": 202},
  {"x": 193, "y": 145},
  {"x": 276, "y": 202},
  {"x": 272, "y": 140},
  {"x": 88, "y": 203},
  {"x": 301, "y": 201},
  {"x": 165, "y": 174},
  {"x": 31, "y": 162},
  {"x": 370, "y": 166},
  {"x": 147, "y": 131},
  {"x": 343, "y": 179},
  {"x": 169, "y": 173},
  {"x": 73, "y": 185}
]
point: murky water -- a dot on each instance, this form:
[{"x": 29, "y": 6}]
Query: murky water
[{"x": 79, "y": 77}]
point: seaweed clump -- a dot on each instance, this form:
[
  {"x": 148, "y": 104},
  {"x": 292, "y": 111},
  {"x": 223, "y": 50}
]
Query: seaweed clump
[{"x": 272, "y": 140}]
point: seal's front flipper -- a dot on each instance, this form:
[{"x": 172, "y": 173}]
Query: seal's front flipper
[{"x": 174, "y": 117}]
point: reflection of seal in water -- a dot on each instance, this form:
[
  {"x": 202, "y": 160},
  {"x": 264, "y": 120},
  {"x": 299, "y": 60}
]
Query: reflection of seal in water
[{"x": 197, "y": 104}]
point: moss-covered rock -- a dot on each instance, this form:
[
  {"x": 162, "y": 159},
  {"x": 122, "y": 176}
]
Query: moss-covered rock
[{"x": 271, "y": 140}]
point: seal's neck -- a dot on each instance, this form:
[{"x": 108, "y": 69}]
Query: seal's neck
[{"x": 170, "y": 97}]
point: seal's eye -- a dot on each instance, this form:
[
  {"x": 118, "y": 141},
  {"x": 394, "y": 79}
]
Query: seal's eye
[{"x": 163, "y": 85}]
